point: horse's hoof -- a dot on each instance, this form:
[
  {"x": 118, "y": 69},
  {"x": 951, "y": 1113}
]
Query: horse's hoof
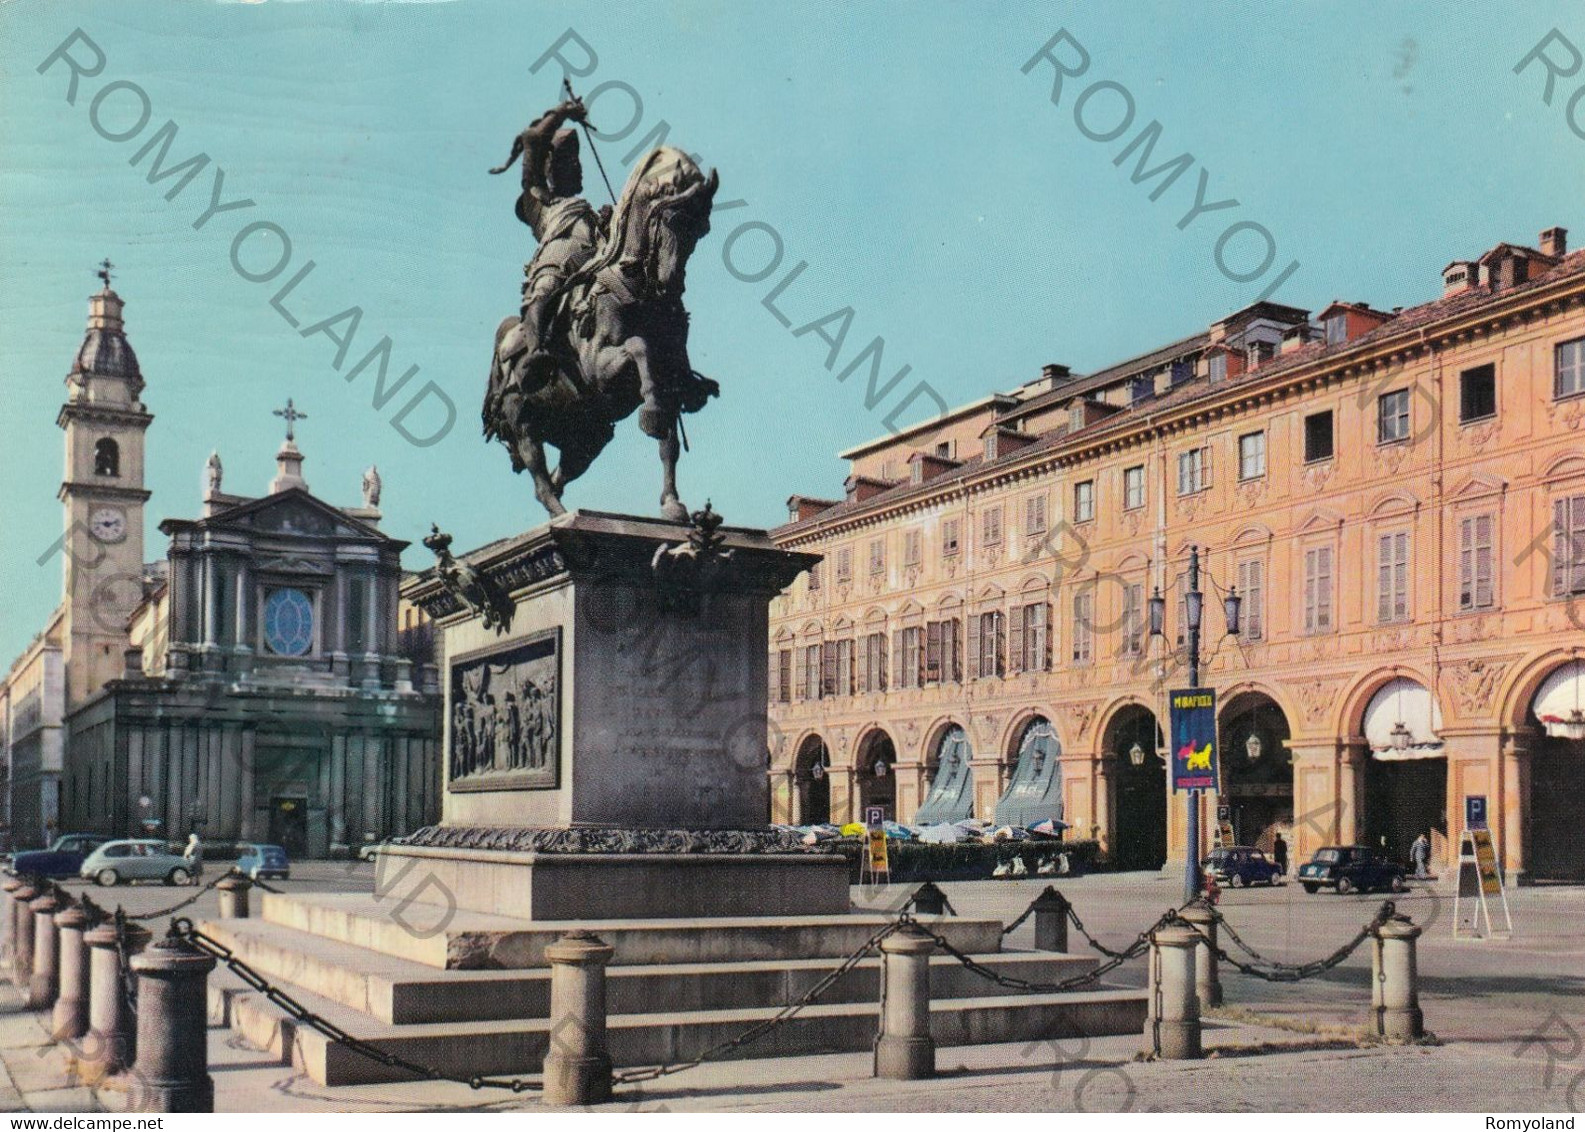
[{"x": 674, "y": 510}]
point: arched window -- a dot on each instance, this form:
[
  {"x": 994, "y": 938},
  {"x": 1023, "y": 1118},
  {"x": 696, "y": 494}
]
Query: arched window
[{"x": 107, "y": 457}]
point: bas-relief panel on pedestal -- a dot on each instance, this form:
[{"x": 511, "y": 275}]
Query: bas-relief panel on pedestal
[{"x": 505, "y": 717}]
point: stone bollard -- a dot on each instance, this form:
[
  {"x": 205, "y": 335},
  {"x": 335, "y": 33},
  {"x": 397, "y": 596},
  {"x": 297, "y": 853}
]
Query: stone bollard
[
  {"x": 43, "y": 983},
  {"x": 904, "y": 1049},
  {"x": 172, "y": 1069},
  {"x": 111, "y": 1045},
  {"x": 577, "y": 1066},
  {"x": 22, "y": 936},
  {"x": 928, "y": 900},
  {"x": 1173, "y": 1028},
  {"x": 1207, "y": 981},
  {"x": 8, "y": 917},
  {"x": 1395, "y": 991},
  {"x": 1051, "y": 921},
  {"x": 234, "y": 897},
  {"x": 70, "y": 1020}
]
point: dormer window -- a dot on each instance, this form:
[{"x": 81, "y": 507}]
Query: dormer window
[
  {"x": 1337, "y": 329},
  {"x": 1218, "y": 367}
]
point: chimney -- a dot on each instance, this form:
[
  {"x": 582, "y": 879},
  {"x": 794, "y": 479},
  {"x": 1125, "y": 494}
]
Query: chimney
[
  {"x": 1056, "y": 374},
  {"x": 1554, "y": 242}
]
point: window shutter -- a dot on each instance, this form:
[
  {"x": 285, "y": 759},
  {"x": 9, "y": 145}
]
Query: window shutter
[
  {"x": 1483, "y": 562},
  {"x": 775, "y": 677},
  {"x": 897, "y": 659},
  {"x": 1466, "y": 563},
  {"x": 1051, "y": 634},
  {"x": 974, "y": 647},
  {"x": 954, "y": 643},
  {"x": 1015, "y": 655},
  {"x": 1560, "y": 540},
  {"x": 802, "y": 680},
  {"x": 828, "y": 668},
  {"x": 1205, "y": 467},
  {"x": 1384, "y": 578},
  {"x": 1000, "y": 620},
  {"x": 1324, "y": 587}
]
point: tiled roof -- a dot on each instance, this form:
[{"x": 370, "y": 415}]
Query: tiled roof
[{"x": 1411, "y": 318}]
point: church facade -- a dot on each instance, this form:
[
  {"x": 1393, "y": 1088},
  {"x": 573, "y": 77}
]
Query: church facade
[{"x": 249, "y": 686}]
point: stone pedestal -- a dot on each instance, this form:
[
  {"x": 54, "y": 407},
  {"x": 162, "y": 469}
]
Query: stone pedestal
[{"x": 606, "y": 748}]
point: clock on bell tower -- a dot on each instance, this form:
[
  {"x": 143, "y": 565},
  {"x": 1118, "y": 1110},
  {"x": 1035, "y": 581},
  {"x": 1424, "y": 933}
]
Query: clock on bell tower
[{"x": 103, "y": 497}]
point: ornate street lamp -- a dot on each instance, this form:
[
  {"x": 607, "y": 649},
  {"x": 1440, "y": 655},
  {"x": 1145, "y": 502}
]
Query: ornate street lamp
[
  {"x": 1252, "y": 746},
  {"x": 1193, "y": 610},
  {"x": 879, "y": 768},
  {"x": 1136, "y": 755},
  {"x": 1401, "y": 736}
]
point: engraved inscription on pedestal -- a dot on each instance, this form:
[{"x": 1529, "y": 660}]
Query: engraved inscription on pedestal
[{"x": 505, "y": 717}]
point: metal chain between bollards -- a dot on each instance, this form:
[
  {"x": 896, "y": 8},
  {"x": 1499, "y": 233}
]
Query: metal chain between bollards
[
  {"x": 185, "y": 929},
  {"x": 179, "y": 905},
  {"x": 1140, "y": 945},
  {"x": 782, "y": 1017},
  {"x": 1295, "y": 972},
  {"x": 129, "y": 983}
]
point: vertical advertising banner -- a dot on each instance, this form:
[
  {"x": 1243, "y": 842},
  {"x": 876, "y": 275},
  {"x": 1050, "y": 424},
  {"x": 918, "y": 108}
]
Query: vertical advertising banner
[{"x": 1193, "y": 727}]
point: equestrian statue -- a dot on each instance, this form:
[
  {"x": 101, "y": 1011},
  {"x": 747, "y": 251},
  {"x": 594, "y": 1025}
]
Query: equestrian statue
[{"x": 602, "y": 329}]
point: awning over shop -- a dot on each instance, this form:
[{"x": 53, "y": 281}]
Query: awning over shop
[
  {"x": 1035, "y": 793},
  {"x": 951, "y": 795},
  {"x": 1403, "y": 721},
  {"x": 1559, "y": 704}
]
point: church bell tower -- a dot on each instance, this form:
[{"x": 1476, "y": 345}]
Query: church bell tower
[{"x": 103, "y": 497}]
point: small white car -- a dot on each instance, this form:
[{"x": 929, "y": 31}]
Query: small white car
[{"x": 117, "y": 861}]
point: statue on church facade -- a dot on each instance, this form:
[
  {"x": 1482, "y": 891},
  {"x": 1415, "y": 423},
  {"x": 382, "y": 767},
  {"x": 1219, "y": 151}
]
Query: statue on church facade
[
  {"x": 212, "y": 473},
  {"x": 602, "y": 329},
  {"x": 371, "y": 486}
]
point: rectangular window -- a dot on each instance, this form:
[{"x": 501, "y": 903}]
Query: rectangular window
[
  {"x": 809, "y": 674},
  {"x": 828, "y": 669},
  {"x": 1084, "y": 626},
  {"x": 1568, "y": 368},
  {"x": 1568, "y": 546},
  {"x": 1337, "y": 329},
  {"x": 1252, "y": 585},
  {"x": 1475, "y": 561},
  {"x": 1392, "y": 417},
  {"x": 1133, "y": 619},
  {"x": 845, "y": 564},
  {"x": 1477, "y": 393},
  {"x": 1194, "y": 471},
  {"x": 988, "y": 645},
  {"x": 1032, "y": 638},
  {"x": 784, "y": 659},
  {"x": 1035, "y": 515},
  {"x": 1218, "y": 367},
  {"x": 942, "y": 663},
  {"x": 1318, "y": 437},
  {"x": 908, "y": 657},
  {"x": 872, "y": 663},
  {"x": 1318, "y": 589},
  {"x": 949, "y": 537},
  {"x": 1392, "y": 577},
  {"x": 1134, "y": 488},
  {"x": 1252, "y": 456},
  {"x": 913, "y": 548},
  {"x": 991, "y": 526},
  {"x": 1084, "y": 501},
  {"x": 814, "y": 577},
  {"x": 877, "y": 557}
]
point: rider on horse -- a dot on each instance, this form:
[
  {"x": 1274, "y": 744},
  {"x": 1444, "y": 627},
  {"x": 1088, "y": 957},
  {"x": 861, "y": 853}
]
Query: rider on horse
[{"x": 567, "y": 229}]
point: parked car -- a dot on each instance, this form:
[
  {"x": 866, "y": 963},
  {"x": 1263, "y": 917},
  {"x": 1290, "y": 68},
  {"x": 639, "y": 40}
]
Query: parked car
[
  {"x": 1238, "y": 865},
  {"x": 261, "y": 861},
  {"x": 60, "y": 860},
  {"x": 117, "y": 861},
  {"x": 1350, "y": 868}
]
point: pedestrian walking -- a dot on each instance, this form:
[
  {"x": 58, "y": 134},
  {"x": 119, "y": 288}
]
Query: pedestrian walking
[
  {"x": 1420, "y": 854},
  {"x": 195, "y": 857},
  {"x": 1279, "y": 855}
]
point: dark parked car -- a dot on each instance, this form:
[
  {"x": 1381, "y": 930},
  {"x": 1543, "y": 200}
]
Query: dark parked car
[
  {"x": 1351, "y": 868},
  {"x": 1238, "y": 865},
  {"x": 59, "y": 861},
  {"x": 261, "y": 861}
]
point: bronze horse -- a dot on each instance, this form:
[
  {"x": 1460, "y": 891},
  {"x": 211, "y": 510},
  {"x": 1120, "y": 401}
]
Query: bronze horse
[{"x": 620, "y": 339}]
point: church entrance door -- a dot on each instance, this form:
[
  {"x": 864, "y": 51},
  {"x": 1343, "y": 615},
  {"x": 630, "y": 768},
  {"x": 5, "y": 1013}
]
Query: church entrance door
[{"x": 289, "y": 824}]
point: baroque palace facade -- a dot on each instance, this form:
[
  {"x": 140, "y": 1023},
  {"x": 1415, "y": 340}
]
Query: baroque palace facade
[{"x": 1398, "y": 498}]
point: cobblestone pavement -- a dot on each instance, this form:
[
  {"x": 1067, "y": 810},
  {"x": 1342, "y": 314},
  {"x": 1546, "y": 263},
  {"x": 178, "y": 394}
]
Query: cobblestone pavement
[{"x": 1510, "y": 1015}]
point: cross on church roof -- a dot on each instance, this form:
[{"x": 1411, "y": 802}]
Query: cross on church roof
[
  {"x": 292, "y": 415},
  {"x": 104, "y": 271}
]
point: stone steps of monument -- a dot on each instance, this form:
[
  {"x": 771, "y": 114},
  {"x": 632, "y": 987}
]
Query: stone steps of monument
[
  {"x": 400, "y": 991},
  {"x": 517, "y": 1047},
  {"x": 441, "y": 937}
]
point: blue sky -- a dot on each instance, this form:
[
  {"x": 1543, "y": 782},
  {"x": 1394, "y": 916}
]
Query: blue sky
[{"x": 899, "y": 150}]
